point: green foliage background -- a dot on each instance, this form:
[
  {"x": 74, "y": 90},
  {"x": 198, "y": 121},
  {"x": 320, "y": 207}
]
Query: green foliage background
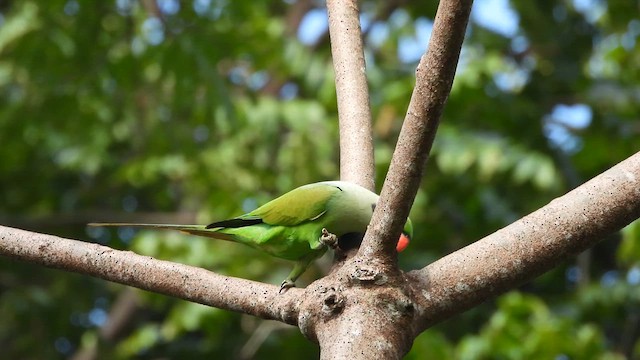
[{"x": 199, "y": 110}]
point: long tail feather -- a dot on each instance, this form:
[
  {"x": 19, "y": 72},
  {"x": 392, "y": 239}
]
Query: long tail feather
[{"x": 189, "y": 229}]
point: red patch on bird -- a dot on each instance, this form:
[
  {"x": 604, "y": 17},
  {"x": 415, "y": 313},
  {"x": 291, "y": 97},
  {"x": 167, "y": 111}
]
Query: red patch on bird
[{"x": 403, "y": 242}]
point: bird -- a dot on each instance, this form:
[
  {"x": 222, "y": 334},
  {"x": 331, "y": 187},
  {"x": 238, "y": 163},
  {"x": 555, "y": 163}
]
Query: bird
[{"x": 298, "y": 226}]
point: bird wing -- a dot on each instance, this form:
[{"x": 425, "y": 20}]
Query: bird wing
[{"x": 306, "y": 203}]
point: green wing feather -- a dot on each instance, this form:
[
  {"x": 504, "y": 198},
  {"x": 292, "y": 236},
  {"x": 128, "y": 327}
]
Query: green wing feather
[{"x": 297, "y": 206}]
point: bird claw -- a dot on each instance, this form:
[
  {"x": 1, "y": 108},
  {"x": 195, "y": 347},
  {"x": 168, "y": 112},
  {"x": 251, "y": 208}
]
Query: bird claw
[
  {"x": 328, "y": 239},
  {"x": 286, "y": 284}
]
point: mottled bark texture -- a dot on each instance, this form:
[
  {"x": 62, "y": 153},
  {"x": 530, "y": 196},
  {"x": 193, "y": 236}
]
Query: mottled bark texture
[
  {"x": 434, "y": 77},
  {"x": 354, "y": 112},
  {"x": 164, "y": 277},
  {"x": 368, "y": 309},
  {"x": 363, "y": 310},
  {"x": 530, "y": 246}
]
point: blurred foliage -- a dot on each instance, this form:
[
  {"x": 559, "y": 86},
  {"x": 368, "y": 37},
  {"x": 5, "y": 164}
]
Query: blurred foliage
[{"x": 200, "y": 110}]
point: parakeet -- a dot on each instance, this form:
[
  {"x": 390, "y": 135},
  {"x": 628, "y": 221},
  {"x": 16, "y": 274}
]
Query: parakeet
[{"x": 291, "y": 226}]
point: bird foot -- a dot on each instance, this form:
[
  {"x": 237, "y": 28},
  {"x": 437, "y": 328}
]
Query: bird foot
[
  {"x": 286, "y": 284},
  {"x": 329, "y": 239}
]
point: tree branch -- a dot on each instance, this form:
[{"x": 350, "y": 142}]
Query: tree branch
[
  {"x": 434, "y": 77},
  {"x": 530, "y": 246},
  {"x": 356, "y": 134},
  {"x": 164, "y": 277},
  {"x": 367, "y": 295}
]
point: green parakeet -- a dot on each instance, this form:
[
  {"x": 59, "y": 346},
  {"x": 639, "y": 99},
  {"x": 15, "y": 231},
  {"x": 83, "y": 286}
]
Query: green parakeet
[{"x": 291, "y": 226}]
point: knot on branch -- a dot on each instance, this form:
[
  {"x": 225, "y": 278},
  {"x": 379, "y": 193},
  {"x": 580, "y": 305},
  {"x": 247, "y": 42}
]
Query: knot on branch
[
  {"x": 333, "y": 302},
  {"x": 368, "y": 275},
  {"x": 322, "y": 304},
  {"x": 397, "y": 305}
]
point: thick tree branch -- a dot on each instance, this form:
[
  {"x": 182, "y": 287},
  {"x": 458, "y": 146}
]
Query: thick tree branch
[
  {"x": 356, "y": 143},
  {"x": 434, "y": 77},
  {"x": 164, "y": 277},
  {"x": 532, "y": 245},
  {"x": 367, "y": 295}
]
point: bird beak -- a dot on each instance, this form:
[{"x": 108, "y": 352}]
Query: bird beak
[{"x": 403, "y": 242}]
